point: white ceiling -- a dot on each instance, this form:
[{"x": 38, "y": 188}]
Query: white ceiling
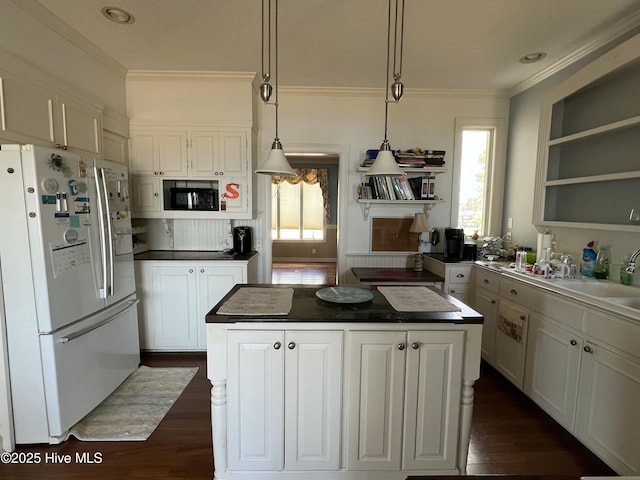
[{"x": 449, "y": 44}]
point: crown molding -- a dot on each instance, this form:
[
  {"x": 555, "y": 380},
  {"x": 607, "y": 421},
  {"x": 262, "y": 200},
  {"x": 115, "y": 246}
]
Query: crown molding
[
  {"x": 408, "y": 92},
  {"x": 40, "y": 13},
  {"x": 187, "y": 76},
  {"x": 602, "y": 39}
]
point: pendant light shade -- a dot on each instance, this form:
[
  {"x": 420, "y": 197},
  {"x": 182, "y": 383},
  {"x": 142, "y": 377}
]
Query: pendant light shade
[
  {"x": 385, "y": 163},
  {"x": 276, "y": 162}
]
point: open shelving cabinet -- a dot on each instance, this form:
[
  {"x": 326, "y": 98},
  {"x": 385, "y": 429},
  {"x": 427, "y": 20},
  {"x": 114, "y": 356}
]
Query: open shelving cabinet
[{"x": 588, "y": 171}]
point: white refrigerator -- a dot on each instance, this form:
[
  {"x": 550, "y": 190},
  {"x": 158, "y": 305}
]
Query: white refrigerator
[{"x": 66, "y": 258}]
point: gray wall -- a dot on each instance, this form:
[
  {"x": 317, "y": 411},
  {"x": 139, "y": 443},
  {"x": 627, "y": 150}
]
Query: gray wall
[{"x": 522, "y": 145}]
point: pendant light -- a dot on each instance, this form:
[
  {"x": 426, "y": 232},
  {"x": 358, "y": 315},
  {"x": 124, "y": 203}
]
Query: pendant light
[
  {"x": 385, "y": 163},
  {"x": 276, "y": 163}
]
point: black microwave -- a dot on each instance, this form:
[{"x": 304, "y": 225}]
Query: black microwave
[{"x": 185, "y": 198}]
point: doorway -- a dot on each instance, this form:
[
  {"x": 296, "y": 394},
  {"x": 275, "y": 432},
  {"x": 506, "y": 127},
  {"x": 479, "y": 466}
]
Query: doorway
[{"x": 304, "y": 212}]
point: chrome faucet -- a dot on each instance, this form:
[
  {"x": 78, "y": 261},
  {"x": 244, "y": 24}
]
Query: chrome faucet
[{"x": 631, "y": 268}]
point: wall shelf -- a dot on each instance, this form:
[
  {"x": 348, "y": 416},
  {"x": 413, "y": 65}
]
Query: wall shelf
[{"x": 366, "y": 204}]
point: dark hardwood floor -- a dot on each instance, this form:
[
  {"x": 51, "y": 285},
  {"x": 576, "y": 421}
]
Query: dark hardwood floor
[
  {"x": 319, "y": 273},
  {"x": 510, "y": 435}
]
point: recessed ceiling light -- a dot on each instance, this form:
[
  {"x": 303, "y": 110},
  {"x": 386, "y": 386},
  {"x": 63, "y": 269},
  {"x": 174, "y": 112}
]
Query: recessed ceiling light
[
  {"x": 533, "y": 57},
  {"x": 118, "y": 15}
]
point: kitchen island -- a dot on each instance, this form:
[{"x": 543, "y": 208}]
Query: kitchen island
[{"x": 335, "y": 390}]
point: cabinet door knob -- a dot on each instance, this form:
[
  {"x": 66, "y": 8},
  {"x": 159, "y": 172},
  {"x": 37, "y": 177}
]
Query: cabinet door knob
[
  {"x": 277, "y": 345},
  {"x": 401, "y": 346},
  {"x": 573, "y": 342},
  {"x": 202, "y": 270},
  {"x": 156, "y": 173},
  {"x": 588, "y": 349},
  {"x": 415, "y": 345},
  {"x": 291, "y": 345},
  {"x": 453, "y": 290},
  {"x": 486, "y": 281},
  {"x": 161, "y": 173},
  {"x": 514, "y": 291},
  {"x": 523, "y": 317},
  {"x": 191, "y": 270},
  {"x": 493, "y": 301},
  {"x": 156, "y": 194}
]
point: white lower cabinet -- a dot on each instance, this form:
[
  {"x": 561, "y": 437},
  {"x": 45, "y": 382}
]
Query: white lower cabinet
[
  {"x": 456, "y": 280},
  {"x": 511, "y": 341},
  {"x": 403, "y": 397},
  {"x": 582, "y": 364},
  {"x": 607, "y": 420},
  {"x": 284, "y": 400},
  {"x": 175, "y": 297},
  {"x": 486, "y": 302},
  {"x": 552, "y": 369}
]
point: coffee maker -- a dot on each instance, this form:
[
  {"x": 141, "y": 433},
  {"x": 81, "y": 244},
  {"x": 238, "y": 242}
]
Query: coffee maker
[
  {"x": 242, "y": 240},
  {"x": 453, "y": 243}
]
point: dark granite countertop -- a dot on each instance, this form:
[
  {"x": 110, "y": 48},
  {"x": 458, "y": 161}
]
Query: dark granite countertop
[
  {"x": 440, "y": 257},
  {"x": 387, "y": 275},
  {"x": 187, "y": 255},
  {"x": 309, "y": 308}
]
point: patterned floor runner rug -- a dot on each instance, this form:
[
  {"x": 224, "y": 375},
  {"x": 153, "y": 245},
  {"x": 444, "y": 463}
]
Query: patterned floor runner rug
[{"x": 134, "y": 410}]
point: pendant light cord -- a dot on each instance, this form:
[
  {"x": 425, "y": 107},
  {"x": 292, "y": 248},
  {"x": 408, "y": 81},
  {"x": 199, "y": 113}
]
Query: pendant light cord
[
  {"x": 276, "y": 66},
  {"x": 397, "y": 65},
  {"x": 386, "y": 88},
  {"x": 266, "y": 75}
]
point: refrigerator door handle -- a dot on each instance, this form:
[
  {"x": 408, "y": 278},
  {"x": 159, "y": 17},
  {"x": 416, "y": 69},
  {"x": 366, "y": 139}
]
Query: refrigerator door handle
[
  {"x": 108, "y": 233},
  {"x": 102, "y": 289},
  {"x": 84, "y": 331}
]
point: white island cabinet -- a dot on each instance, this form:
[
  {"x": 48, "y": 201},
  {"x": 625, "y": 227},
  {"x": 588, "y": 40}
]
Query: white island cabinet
[{"x": 341, "y": 392}]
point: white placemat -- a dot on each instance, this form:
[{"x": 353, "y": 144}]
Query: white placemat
[
  {"x": 416, "y": 299},
  {"x": 258, "y": 301}
]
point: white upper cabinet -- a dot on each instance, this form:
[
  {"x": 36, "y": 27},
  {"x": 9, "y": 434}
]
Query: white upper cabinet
[
  {"x": 159, "y": 153},
  {"x": 218, "y": 153},
  {"x": 189, "y": 153},
  {"x": 34, "y": 113},
  {"x": 588, "y": 174}
]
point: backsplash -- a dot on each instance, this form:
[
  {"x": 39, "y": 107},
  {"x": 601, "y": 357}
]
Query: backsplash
[{"x": 188, "y": 234}]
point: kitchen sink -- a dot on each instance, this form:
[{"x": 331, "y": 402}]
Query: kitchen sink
[
  {"x": 632, "y": 302},
  {"x": 598, "y": 288}
]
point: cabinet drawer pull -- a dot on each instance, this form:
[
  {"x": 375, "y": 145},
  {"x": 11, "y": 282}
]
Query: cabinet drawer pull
[
  {"x": 453, "y": 290},
  {"x": 588, "y": 349},
  {"x": 574, "y": 342},
  {"x": 415, "y": 345},
  {"x": 493, "y": 301},
  {"x": 277, "y": 345},
  {"x": 523, "y": 317},
  {"x": 486, "y": 280},
  {"x": 401, "y": 346},
  {"x": 514, "y": 291},
  {"x": 460, "y": 275},
  {"x": 291, "y": 345}
]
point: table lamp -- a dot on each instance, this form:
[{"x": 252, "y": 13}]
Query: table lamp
[{"x": 418, "y": 226}]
